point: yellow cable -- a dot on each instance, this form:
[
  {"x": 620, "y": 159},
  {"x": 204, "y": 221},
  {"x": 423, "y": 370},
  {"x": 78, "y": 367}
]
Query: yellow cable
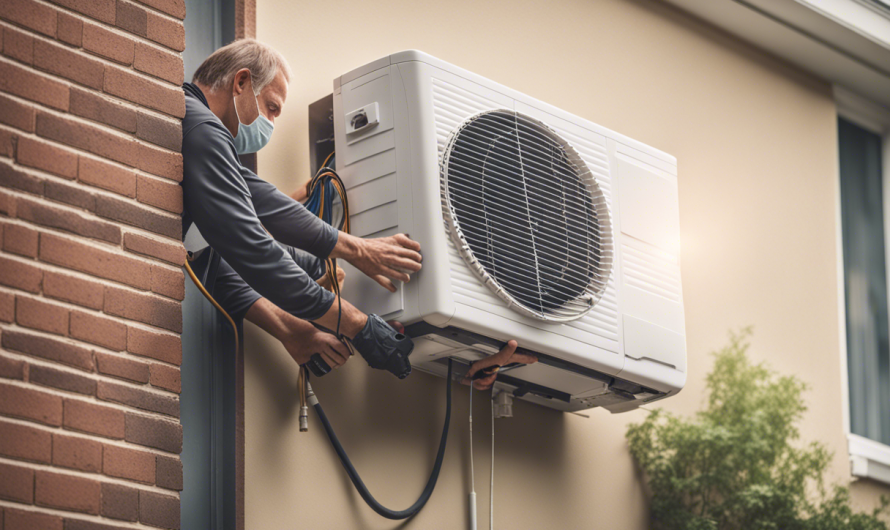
[
  {"x": 326, "y": 160},
  {"x": 201, "y": 288}
]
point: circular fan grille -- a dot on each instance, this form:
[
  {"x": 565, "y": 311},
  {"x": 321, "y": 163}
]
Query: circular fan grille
[{"x": 526, "y": 214}]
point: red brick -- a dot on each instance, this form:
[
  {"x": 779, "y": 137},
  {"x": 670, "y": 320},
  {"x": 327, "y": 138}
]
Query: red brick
[
  {"x": 166, "y": 251},
  {"x": 32, "y": 15},
  {"x": 167, "y": 348},
  {"x": 7, "y": 143},
  {"x": 74, "y": 290},
  {"x": 108, "y": 44},
  {"x": 174, "y": 8},
  {"x": 159, "y": 510},
  {"x": 66, "y": 492},
  {"x": 167, "y": 32},
  {"x": 132, "y": 18},
  {"x": 25, "y": 443},
  {"x": 159, "y": 193},
  {"x": 47, "y": 348},
  {"x": 37, "y": 314},
  {"x": 18, "y": 45},
  {"x": 98, "y": 330},
  {"x": 138, "y": 89},
  {"x": 166, "y": 377},
  {"x": 152, "y": 432},
  {"x": 160, "y": 162},
  {"x": 69, "y": 64},
  {"x": 117, "y": 366},
  {"x": 20, "y": 240},
  {"x": 99, "y": 9},
  {"x": 159, "y": 63},
  {"x": 103, "y": 175},
  {"x": 17, "y": 484},
  {"x": 91, "y": 260},
  {"x": 73, "y": 195},
  {"x": 139, "y": 216},
  {"x": 47, "y": 214},
  {"x": 70, "y": 30},
  {"x": 50, "y": 158},
  {"x": 167, "y": 282},
  {"x": 133, "y": 465},
  {"x": 16, "y": 114},
  {"x": 35, "y": 87},
  {"x": 13, "y": 178},
  {"x": 77, "y": 453},
  {"x": 119, "y": 148},
  {"x": 28, "y": 520},
  {"x": 94, "y": 419},
  {"x": 169, "y": 473},
  {"x": 165, "y": 133},
  {"x": 138, "y": 398},
  {"x": 98, "y": 108},
  {"x": 20, "y": 275},
  {"x": 30, "y": 404},
  {"x": 12, "y": 368},
  {"x": 7, "y": 307},
  {"x": 120, "y": 502},
  {"x": 146, "y": 308},
  {"x": 63, "y": 380},
  {"x": 7, "y": 203},
  {"x": 82, "y": 524}
]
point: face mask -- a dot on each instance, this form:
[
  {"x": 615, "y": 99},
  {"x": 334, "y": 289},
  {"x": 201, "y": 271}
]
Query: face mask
[{"x": 251, "y": 138}]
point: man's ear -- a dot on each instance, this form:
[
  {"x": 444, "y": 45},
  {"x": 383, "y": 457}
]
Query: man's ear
[{"x": 241, "y": 79}]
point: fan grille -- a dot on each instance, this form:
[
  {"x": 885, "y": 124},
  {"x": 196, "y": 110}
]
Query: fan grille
[{"x": 526, "y": 214}]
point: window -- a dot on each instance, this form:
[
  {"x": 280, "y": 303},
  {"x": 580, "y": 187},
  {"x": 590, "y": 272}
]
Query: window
[{"x": 865, "y": 228}]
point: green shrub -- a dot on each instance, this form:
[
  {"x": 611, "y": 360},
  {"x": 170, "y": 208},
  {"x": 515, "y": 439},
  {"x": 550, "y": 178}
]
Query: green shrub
[{"x": 737, "y": 464}]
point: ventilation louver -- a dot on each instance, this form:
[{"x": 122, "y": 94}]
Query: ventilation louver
[{"x": 527, "y": 215}]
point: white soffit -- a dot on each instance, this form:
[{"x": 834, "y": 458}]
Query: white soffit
[{"x": 846, "y": 42}]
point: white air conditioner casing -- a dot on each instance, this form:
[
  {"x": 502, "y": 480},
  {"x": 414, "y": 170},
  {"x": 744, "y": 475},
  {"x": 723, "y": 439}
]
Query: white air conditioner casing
[{"x": 393, "y": 121}]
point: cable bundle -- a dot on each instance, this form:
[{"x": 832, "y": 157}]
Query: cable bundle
[{"x": 323, "y": 189}]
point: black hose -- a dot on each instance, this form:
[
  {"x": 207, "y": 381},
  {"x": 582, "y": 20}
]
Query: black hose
[{"x": 357, "y": 480}]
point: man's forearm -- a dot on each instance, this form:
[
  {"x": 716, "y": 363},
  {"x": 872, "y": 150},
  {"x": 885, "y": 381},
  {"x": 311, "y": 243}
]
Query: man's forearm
[
  {"x": 352, "y": 320},
  {"x": 276, "y": 321},
  {"x": 348, "y": 247},
  {"x": 282, "y": 325}
]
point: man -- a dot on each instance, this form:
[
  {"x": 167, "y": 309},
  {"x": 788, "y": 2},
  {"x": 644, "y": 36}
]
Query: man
[{"x": 231, "y": 107}]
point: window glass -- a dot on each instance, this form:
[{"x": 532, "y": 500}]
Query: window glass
[{"x": 865, "y": 279}]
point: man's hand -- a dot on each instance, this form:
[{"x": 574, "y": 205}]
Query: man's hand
[
  {"x": 303, "y": 345},
  {"x": 300, "y": 338},
  {"x": 493, "y": 363},
  {"x": 325, "y": 280},
  {"x": 384, "y": 258}
]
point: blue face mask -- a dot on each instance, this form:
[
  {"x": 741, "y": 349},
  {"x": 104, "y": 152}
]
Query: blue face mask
[{"x": 253, "y": 137}]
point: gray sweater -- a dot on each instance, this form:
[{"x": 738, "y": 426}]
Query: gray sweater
[{"x": 231, "y": 205}]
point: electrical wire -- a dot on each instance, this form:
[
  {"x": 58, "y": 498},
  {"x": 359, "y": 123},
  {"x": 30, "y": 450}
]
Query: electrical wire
[
  {"x": 357, "y": 480},
  {"x": 491, "y": 486},
  {"x": 472, "y": 471},
  {"x": 201, "y": 288}
]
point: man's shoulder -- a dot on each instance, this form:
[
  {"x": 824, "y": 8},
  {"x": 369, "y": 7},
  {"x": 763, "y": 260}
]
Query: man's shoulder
[{"x": 198, "y": 115}]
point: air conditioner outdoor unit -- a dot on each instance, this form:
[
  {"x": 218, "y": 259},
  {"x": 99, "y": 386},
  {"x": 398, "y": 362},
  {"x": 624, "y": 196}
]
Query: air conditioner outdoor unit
[{"x": 536, "y": 225}]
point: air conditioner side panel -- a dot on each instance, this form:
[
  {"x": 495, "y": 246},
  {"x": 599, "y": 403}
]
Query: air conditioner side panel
[{"x": 652, "y": 316}]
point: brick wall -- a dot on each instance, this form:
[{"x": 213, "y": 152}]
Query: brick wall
[{"x": 90, "y": 284}]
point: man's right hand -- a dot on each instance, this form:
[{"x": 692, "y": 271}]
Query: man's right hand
[
  {"x": 303, "y": 345},
  {"x": 383, "y": 259}
]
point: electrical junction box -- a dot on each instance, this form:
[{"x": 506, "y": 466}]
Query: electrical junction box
[{"x": 536, "y": 225}]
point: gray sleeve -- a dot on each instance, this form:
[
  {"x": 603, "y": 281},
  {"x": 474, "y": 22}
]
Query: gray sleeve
[
  {"x": 219, "y": 202},
  {"x": 289, "y": 221}
]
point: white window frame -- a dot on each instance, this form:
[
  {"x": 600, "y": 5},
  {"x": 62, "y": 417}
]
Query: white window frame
[{"x": 868, "y": 458}]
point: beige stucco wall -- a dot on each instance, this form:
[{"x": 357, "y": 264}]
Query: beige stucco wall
[{"x": 755, "y": 141}]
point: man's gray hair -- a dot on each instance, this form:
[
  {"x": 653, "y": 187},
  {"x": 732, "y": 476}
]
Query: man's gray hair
[{"x": 263, "y": 61}]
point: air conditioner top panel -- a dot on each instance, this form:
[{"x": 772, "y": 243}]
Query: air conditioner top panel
[{"x": 419, "y": 56}]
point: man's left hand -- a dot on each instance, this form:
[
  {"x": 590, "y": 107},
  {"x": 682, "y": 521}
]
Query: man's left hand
[{"x": 384, "y": 258}]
